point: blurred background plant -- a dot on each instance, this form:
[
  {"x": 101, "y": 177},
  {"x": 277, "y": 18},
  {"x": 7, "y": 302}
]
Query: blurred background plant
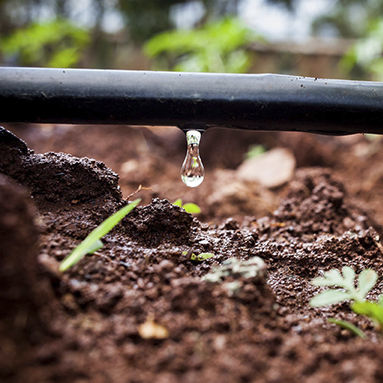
[
  {"x": 326, "y": 38},
  {"x": 365, "y": 56},
  {"x": 216, "y": 47},
  {"x": 57, "y": 43}
]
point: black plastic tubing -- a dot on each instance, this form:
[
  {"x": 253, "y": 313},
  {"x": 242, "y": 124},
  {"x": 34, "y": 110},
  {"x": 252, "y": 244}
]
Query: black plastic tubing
[{"x": 200, "y": 100}]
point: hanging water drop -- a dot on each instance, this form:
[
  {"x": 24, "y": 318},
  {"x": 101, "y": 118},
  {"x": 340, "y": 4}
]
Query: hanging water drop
[{"x": 192, "y": 171}]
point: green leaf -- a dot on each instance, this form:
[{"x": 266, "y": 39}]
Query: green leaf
[
  {"x": 322, "y": 282},
  {"x": 331, "y": 278},
  {"x": 348, "y": 277},
  {"x": 366, "y": 281},
  {"x": 89, "y": 242},
  {"x": 334, "y": 276},
  {"x": 215, "y": 47},
  {"x": 348, "y": 326},
  {"x": 371, "y": 310},
  {"x": 178, "y": 202},
  {"x": 191, "y": 208},
  {"x": 95, "y": 246},
  {"x": 201, "y": 257},
  {"x": 329, "y": 297},
  {"x": 255, "y": 151}
]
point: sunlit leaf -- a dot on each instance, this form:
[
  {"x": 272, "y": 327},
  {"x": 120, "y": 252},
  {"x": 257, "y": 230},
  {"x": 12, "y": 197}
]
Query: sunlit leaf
[
  {"x": 191, "y": 208},
  {"x": 329, "y": 297},
  {"x": 366, "y": 281},
  {"x": 370, "y": 309},
  {"x": 178, "y": 202},
  {"x": 322, "y": 282},
  {"x": 334, "y": 276},
  {"x": 348, "y": 276}
]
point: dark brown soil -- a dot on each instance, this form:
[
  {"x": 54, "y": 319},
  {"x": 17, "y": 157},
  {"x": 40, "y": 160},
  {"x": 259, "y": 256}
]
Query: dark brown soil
[{"x": 85, "y": 325}]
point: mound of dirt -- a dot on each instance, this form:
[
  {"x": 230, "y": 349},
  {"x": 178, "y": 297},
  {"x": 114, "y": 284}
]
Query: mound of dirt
[
  {"x": 316, "y": 202},
  {"x": 21, "y": 294},
  {"x": 56, "y": 177}
]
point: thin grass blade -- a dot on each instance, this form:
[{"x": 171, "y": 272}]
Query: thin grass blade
[
  {"x": 348, "y": 326},
  {"x": 104, "y": 228}
]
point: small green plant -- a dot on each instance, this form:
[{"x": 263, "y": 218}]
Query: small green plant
[
  {"x": 93, "y": 241},
  {"x": 189, "y": 207},
  {"x": 343, "y": 288},
  {"x": 198, "y": 257},
  {"x": 255, "y": 151}
]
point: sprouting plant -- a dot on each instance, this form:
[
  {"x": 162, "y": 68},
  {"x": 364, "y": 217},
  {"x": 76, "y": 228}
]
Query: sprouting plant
[
  {"x": 346, "y": 282},
  {"x": 343, "y": 288},
  {"x": 93, "y": 241},
  {"x": 189, "y": 207},
  {"x": 255, "y": 151},
  {"x": 198, "y": 257}
]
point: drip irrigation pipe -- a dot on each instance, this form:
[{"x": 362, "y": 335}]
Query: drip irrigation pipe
[{"x": 264, "y": 102}]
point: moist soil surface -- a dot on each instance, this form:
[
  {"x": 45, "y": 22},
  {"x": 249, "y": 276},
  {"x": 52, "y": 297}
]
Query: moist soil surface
[{"x": 139, "y": 309}]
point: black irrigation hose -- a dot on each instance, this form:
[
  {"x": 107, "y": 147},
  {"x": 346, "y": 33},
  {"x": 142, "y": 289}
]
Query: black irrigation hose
[{"x": 254, "y": 102}]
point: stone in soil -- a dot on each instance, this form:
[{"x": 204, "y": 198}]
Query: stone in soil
[{"x": 271, "y": 169}]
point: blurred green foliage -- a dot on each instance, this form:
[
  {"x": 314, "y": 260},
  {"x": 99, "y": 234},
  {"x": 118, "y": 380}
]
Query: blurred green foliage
[
  {"x": 255, "y": 151},
  {"x": 366, "y": 54},
  {"x": 116, "y": 27},
  {"x": 144, "y": 19},
  {"x": 31, "y": 40},
  {"x": 56, "y": 43},
  {"x": 215, "y": 47}
]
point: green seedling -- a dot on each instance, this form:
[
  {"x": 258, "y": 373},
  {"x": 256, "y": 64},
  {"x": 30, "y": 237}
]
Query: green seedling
[
  {"x": 343, "y": 288},
  {"x": 348, "y": 326},
  {"x": 191, "y": 208},
  {"x": 200, "y": 257},
  {"x": 93, "y": 241},
  {"x": 255, "y": 151}
]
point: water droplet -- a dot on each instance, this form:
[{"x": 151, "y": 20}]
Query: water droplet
[{"x": 192, "y": 171}]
